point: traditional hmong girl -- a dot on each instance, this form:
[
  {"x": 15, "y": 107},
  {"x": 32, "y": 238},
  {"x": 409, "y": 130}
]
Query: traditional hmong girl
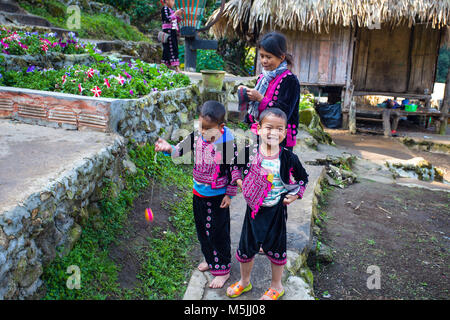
[
  {"x": 277, "y": 86},
  {"x": 273, "y": 178},
  {"x": 170, "y": 19},
  {"x": 213, "y": 147}
]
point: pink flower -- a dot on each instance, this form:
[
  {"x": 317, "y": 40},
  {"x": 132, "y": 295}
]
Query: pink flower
[
  {"x": 64, "y": 79},
  {"x": 90, "y": 73},
  {"x": 120, "y": 79},
  {"x": 44, "y": 47},
  {"x": 106, "y": 81},
  {"x": 96, "y": 91},
  {"x": 131, "y": 92},
  {"x": 127, "y": 74},
  {"x": 80, "y": 88},
  {"x": 6, "y": 45}
]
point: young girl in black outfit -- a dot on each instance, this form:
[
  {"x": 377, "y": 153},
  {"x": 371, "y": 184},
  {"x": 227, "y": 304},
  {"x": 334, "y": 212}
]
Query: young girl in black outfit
[
  {"x": 170, "y": 19},
  {"x": 273, "y": 178}
]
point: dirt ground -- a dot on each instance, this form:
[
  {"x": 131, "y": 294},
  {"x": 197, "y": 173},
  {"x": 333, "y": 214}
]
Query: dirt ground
[
  {"x": 403, "y": 231},
  {"x": 138, "y": 230},
  {"x": 377, "y": 148}
]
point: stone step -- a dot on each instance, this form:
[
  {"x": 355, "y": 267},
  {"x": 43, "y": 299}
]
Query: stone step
[
  {"x": 27, "y": 19},
  {"x": 40, "y": 29},
  {"x": 10, "y": 6}
]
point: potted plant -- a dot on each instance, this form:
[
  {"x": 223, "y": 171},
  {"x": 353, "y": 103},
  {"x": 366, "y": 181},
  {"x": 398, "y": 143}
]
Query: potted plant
[{"x": 213, "y": 79}]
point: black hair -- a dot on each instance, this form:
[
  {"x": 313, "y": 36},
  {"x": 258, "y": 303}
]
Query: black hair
[
  {"x": 214, "y": 110},
  {"x": 276, "y": 44},
  {"x": 272, "y": 112}
]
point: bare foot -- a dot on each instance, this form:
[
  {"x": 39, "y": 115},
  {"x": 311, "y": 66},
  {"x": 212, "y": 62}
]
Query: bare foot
[
  {"x": 203, "y": 266},
  {"x": 219, "y": 281}
]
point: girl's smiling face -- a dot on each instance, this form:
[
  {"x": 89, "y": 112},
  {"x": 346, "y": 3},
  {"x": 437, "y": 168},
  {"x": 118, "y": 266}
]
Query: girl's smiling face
[
  {"x": 272, "y": 130},
  {"x": 269, "y": 61}
]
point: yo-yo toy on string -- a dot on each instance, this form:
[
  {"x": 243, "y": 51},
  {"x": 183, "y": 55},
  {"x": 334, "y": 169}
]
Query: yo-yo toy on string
[
  {"x": 148, "y": 212},
  {"x": 149, "y": 215}
]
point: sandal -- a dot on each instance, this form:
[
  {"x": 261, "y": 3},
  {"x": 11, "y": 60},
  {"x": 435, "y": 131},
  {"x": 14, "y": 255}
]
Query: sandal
[
  {"x": 273, "y": 294},
  {"x": 238, "y": 289}
]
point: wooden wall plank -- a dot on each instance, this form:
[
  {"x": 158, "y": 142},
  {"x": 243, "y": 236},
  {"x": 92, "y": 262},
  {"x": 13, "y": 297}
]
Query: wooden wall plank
[{"x": 423, "y": 59}]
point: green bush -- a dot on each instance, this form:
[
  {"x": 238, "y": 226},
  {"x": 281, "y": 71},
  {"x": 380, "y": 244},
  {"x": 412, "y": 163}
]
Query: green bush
[
  {"x": 93, "y": 26},
  {"x": 206, "y": 59},
  {"x": 443, "y": 64}
]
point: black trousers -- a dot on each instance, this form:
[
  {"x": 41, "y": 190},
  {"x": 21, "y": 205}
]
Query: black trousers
[
  {"x": 213, "y": 232},
  {"x": 267, "y": 230},
  {"x": 170, "y": 49}
]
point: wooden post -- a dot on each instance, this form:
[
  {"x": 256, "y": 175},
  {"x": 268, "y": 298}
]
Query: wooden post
[
  {"x": 352, "y": 117},
  {"x": 387, "y": 122},
  {"x": 347, "y": 104},
  {"x": 444, "y": 109},
  {"x": 395, "y": 121}
]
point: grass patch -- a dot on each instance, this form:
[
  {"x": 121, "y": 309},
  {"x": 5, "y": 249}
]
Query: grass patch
[
  {"x": 164, "y": 260},
  {"x": 93, "y": 26}
]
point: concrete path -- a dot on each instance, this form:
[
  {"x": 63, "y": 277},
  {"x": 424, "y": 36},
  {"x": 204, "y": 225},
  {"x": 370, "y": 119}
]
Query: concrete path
[
  {"x": 299, "y": 236},
  {"x": 32, "y": 156}
]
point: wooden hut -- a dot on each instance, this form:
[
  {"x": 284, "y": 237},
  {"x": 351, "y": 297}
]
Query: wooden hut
[{"x": 364, "y": 47}]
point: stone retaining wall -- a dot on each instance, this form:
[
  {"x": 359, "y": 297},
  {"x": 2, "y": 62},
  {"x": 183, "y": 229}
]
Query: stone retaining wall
[
  {"x": 138, "y": 119},
  {"x": 56, "y": 60},
  {"x": 31, "y": 232}
]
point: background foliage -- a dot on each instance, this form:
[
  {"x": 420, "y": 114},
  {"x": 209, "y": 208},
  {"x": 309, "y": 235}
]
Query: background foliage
[{"x": 443, "y": 64}]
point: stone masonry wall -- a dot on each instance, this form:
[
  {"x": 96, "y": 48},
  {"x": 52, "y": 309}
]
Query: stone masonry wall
[
  {"x": 31, "y": 231},
  {"x": 137, "y": 119}
]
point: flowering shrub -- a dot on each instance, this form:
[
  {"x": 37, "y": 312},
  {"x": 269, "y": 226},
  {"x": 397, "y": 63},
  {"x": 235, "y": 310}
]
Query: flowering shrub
[
  {"x": 107, "y": 78},
  {"x": 21, "y": 43}
]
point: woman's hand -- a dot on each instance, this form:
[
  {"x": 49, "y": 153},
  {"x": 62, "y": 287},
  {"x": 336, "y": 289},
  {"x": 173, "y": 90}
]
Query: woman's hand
[
  {"x": 162, "y": 146},
  {"x": 254, "y": 95},
  {"x": 226, "y": 201},
  {"x": 289, "y": 199},
  {"x": 179, "y": 12},
  {"x": 239, "y": 183}
]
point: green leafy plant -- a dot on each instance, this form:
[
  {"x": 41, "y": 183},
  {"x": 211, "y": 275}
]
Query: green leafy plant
[
  {"x": 165, "y": 259},
  {"x": 206, "y": 59},
  {"x": 306, "y": 101},
  {"x": 33, "y": 43},
  {"x": 107, "y": 78}
]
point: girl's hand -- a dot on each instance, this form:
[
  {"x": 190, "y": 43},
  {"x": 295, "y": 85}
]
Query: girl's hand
[
  {"x": 225, "y": 202},
  {"x": 162, "y": 146},
  {"x": 289, "y": 199},
  {"x": 254, "y": 95},
  {"x": 179, "y": 12},
  {"x": 239, "y": 183}
]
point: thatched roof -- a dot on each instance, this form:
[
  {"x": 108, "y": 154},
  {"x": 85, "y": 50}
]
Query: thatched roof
[{"x": 255, "y": 16}]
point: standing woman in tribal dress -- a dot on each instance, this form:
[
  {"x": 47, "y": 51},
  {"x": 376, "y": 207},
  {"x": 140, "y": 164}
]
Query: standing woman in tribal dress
[
  {"x": 277, "y": 86},
  {"x": 170, "y": 20}
]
